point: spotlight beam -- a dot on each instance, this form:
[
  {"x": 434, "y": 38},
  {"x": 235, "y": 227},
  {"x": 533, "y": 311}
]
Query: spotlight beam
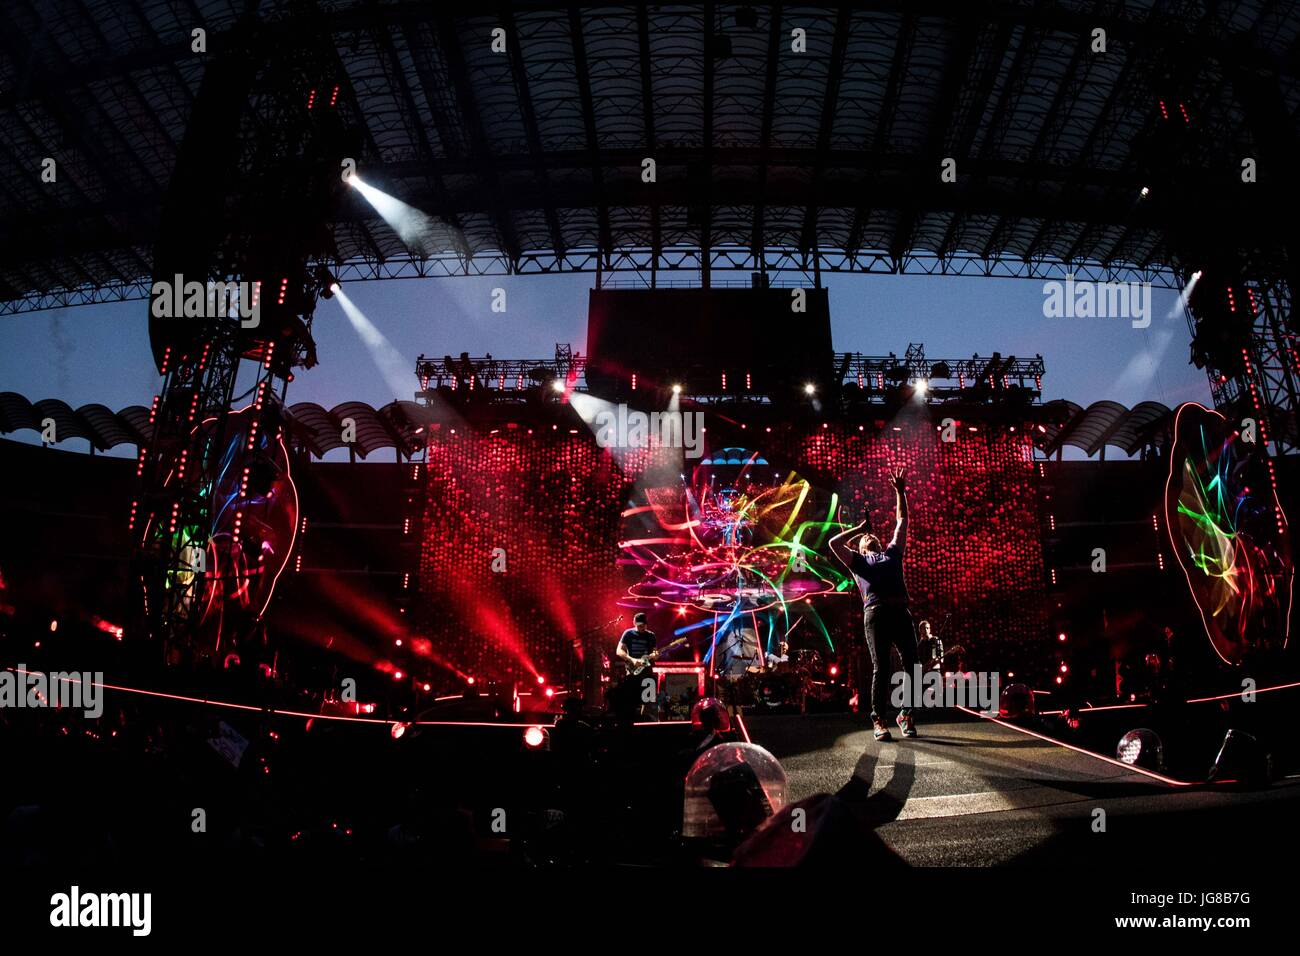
[
  {"x": 387, "y": 359},
  {"x": 413, "y": 226}
]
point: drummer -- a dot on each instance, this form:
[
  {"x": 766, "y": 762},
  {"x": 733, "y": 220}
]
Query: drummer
[
  {"x": 782, "y": 655},
  {"x": 739, "y": 653}
]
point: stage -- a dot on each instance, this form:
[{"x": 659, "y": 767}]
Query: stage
[{"x": 972, "y": 792}]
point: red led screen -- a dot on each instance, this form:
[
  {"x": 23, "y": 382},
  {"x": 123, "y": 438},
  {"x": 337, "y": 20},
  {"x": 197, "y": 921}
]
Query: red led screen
[{"x": 521, "y": 541}]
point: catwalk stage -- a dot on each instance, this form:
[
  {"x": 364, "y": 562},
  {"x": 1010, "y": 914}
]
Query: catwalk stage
[{"x": 975, "y": 792}]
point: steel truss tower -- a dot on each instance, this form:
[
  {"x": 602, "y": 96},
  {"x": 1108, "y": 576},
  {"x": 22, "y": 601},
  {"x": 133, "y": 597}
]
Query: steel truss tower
[{"x": 246, "y": 209}]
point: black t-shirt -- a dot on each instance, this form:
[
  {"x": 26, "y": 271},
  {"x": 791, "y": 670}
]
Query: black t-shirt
[
  {"x": 880, "y": 576},
  {"x": 638, "y": 643}
]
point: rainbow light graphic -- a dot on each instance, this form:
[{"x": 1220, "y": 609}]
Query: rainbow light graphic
[
  {"x": 1229, "y": 534},
  {"x": 738, "y": 545},
  {"x": 247, "y": 540}
]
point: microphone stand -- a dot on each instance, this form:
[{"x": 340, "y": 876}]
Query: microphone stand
[{"x": 580, "y": 642}]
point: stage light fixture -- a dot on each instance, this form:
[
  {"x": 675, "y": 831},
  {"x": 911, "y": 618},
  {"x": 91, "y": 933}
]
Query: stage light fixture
[
  {"x": 325, "y": 282},
  {"x": 535, "y": 737},
  {"x": 810, "y": 389},
  {"x": 1141, "y": 748},
  {"x": 1016, "y": 701},
  {"x": 557, "y": 385},
  {"x": 677, "y": 389},
  {"x": 922, "y": 386}
]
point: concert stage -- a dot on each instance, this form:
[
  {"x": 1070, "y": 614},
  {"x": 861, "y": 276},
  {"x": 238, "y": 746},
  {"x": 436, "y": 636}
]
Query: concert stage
[
  {"x": 974, "y": 792},
  {"x": 343, "y": 585}
]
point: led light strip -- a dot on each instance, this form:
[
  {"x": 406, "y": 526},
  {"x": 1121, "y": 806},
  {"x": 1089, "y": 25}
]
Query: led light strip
[{"x": 1087, "y": 753}]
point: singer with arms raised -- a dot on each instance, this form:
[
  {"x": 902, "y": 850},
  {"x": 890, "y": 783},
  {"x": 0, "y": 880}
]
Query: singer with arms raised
[{"x": 886, "y": 618}]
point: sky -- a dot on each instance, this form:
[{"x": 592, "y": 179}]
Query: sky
[{"x": 101, "y": 353}]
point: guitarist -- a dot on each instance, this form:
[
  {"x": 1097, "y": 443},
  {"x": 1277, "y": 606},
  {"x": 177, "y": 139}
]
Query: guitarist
[{"x": 636, "y": 650}]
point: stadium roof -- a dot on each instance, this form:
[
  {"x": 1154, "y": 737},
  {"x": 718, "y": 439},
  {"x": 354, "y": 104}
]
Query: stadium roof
[
  {"x": 399, "y": 425},
  {"x": 316, "y": 429},
  {"x": 1104, "y": 424},
  {"x": 530, "y": 160}
]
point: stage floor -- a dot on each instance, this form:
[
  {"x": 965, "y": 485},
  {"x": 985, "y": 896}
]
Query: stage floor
[{"x": 971, "y": 792}]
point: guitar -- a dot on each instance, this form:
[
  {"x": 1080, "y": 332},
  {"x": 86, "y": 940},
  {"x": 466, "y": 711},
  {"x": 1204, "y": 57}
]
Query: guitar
[
  {"x": 638, "y": 667},
  {"x": 940, "y": 655}
]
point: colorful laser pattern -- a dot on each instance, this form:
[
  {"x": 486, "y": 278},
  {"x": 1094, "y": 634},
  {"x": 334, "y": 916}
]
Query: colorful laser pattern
[
  {"x": 1229, "y": 533},
  {"x": 587, "y": 538},
  {"x": 253, "y": 528},
  {"x": 247, "y": 540},
  {"x": 733, "y": 547}
]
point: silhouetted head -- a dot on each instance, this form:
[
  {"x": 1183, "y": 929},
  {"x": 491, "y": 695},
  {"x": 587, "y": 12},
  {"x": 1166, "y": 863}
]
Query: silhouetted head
[
  {"x": 869, "y": 544},
  {"x": 638, "y": 620}
]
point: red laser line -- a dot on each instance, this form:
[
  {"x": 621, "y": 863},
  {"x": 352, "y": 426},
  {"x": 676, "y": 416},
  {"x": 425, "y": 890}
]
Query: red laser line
[{"x": 1087, "y": 753}]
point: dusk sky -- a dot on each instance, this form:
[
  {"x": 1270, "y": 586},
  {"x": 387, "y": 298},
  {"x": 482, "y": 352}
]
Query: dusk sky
[{"x": 101, "y": 353}]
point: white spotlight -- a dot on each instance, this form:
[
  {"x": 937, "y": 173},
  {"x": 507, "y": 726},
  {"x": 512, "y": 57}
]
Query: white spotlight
[
  {"x": 677, "y": 389},
  {"x": 391, "y": 363},
  {"x": 810, "y": 389},
  {"x": 413, "y": 226},
  {"x": 558, "y": 385},
  {"x": 1185, "y": 296},
  {"x": 922, "y": 386}
]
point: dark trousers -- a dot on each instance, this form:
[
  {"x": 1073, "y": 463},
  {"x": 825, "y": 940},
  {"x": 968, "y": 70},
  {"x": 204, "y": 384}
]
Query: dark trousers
[
  {"x": 886, "y": 625},
  {"x": 627, "y": 698}
]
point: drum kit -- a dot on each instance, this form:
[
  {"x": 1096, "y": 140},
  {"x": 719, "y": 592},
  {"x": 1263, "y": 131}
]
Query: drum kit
[
  {"x": 783, "y": 686},
  {"x": 793, "y": 685}
]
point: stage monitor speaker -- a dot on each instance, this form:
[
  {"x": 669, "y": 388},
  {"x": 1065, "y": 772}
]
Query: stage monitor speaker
[{"x": 1242, "y": 760}]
